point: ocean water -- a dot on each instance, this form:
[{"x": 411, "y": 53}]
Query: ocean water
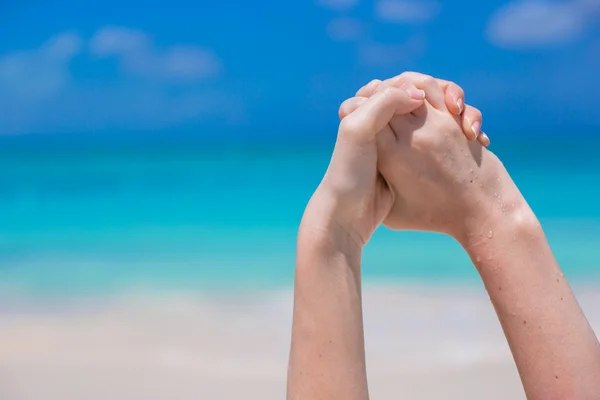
[{"x": 103, "y": 216}]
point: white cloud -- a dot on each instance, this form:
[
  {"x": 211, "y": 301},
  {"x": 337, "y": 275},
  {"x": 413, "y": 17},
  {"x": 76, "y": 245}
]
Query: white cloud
[
  {"x": 527, "y": 24},
  {"x": 376, "y": 54},
  {"x": 406, "y": 11},
  {"x": 137, "y": 106},
  {"x": 63, "y": 46},
  {"x": 118, "y": 41},
  {"x": 120, "y": 106},
  {"x": 563, "y": 88},
  {"x": 344, "y": 29},
  {"x": 39, "y": 94},
  {"x": 139, "y": 56},
  {"x": 37, "y": 74},
  {"x": 339, "y": 5}
]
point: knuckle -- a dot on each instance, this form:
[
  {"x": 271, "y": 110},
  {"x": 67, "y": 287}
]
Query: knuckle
[
  {"x": 343, "y": 110},
  {"x": 357, "y": 131},
  {"x": 368, "y": 126},
  {"x": 456, "y": 90},
  {"x": 370, "y": 87},
  {"x": 407, "y": 76},
  {"x": 349, "y": 128},
  {"x": 388, "y": 91},
  {"x": 476, "y": 113},
  {"x": 404, "y": 79},
  {"x": 428, "y": 80},
  {"x": 472, "y": 114}
]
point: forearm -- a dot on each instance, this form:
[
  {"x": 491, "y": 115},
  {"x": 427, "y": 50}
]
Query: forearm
[
  {"x": 327, "y": 360},
  {"x": 553, "y": 345}
]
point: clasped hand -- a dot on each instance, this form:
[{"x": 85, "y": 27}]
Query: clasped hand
[{"x": 410, "y": 155}]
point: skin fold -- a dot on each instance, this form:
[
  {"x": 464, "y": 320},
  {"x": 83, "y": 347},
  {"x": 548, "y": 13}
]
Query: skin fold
[{"x": 418, "y": 164}]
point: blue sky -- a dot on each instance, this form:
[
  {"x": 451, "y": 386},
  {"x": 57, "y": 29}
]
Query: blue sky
[{"x": 271, "y": 69}]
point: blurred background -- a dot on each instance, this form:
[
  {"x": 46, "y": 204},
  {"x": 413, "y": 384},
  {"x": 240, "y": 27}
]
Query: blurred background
[{"x": 156, "y": 158}]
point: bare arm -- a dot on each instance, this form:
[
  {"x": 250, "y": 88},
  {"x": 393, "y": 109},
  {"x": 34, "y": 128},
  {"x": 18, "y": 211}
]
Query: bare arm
[
  {"x": 327, "y": 358},
  {"x": 554, "y": 347}
]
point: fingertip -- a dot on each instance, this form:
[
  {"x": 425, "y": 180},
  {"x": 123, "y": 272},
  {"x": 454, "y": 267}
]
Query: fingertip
[
  {"x": 483, "y": 139},
  {"x": 455, "y": 99},
  {"x": 350, "y": 105},
  {"x": 416, "y": 94},
  {"x": 369, "y": 88},
  {"x": 454, "y": 105},
  {"x": 471, "y": 122}
]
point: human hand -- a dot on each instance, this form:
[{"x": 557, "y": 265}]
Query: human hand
[
  {"x": 454, "y": 97},
  {"x": 440, "y": 181},
  {"x": 353, "y": 196},
  {"x": 353, "y": 199}
]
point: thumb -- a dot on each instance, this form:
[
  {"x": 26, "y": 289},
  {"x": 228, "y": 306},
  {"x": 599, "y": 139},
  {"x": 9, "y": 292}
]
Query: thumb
[
  {"x": 354, "y": 161},
  {"x": 351, "y": 104},
  {"x": 370, "y": 116}
]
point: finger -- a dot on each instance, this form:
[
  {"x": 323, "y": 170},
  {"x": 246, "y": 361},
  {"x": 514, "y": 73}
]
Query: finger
[
  {"x": 484, "y": 139},
  {"x": 374, "y": 115},
  {"x": 350, "y": 105},
  {"x": 471, "y": 122},
  {"x": 368, "y": 89},
  {"x": 433, "y": 92},
  {"x": 454, "y": 95}
]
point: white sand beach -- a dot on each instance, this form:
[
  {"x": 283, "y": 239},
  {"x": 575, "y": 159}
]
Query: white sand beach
[{"x": 422, "y": 343}]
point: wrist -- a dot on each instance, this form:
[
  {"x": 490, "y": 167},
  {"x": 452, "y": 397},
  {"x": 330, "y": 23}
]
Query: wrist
[
  {"x": 331, "y": 218},
  {"x": 326, "y": 250},
  {"x": 493, "y": 202},
  {"x": 325, "y": 233},
  {"x": 500, "y": 230},
  {"x": 326, "y": 237}
]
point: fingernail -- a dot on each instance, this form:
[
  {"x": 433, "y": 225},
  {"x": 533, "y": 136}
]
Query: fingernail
[
  {"x": 376, "y": 84},
  {"x": 460, "y": 105},
  {"x": 416, "y": 94},
  {"x": 485, "y": 138},
  {"x": 476, "y": 127}
]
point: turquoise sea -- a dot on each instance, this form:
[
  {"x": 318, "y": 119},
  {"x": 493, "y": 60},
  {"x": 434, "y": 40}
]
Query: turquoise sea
[{"x": 104, "y": 215}]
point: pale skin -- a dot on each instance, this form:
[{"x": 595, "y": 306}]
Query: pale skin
[{"x": 457, "y": 187}]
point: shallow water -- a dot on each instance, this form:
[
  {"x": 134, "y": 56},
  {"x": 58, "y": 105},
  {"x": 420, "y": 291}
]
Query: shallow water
[{"x": 94, "y": 217}]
